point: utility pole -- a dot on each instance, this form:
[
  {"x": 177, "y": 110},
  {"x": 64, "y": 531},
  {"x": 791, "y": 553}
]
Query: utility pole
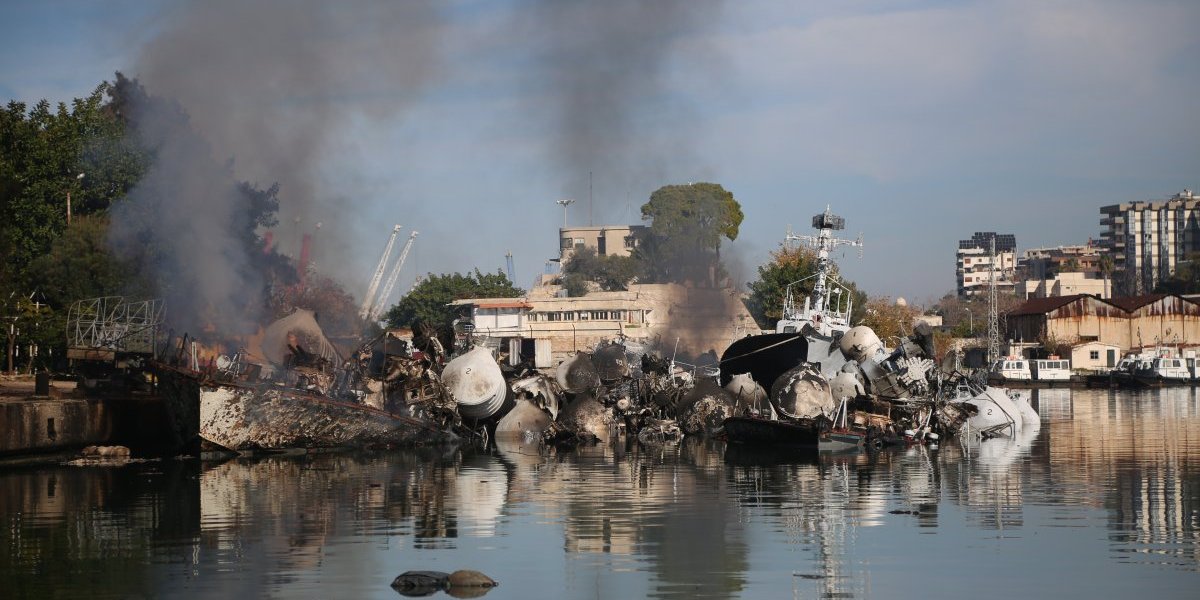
[{"x": 993, "y": 311}]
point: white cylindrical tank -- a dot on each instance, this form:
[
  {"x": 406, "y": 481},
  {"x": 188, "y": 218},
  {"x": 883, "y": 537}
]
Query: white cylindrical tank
[
  {"x": 860, "y": 343},
  {"x": 476, "y": 383}
]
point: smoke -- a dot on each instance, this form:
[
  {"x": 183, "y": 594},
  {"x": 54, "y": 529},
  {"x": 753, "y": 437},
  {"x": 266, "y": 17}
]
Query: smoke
[
  {"x": 271, "y": 85},
  {"x": 606, "y": 68}
]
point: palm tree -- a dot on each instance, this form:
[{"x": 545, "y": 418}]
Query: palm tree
[{"x": 1106, "y": 266}]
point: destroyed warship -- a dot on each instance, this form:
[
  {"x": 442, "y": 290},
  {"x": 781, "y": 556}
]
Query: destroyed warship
[{"x": 831, "y": 385}]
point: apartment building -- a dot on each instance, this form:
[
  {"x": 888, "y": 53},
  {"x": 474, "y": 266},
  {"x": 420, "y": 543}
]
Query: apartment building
[
  {"x": 976, "y": 267},
  {"x": 1148, "y": 239}
]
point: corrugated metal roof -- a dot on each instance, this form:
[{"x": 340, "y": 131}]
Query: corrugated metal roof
[
  {"x": 1041, "y": 306},
  {"x": 1132, "y": 303}
]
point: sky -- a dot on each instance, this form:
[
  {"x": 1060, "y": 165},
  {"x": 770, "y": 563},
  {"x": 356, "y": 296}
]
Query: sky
[{"x": 920, "y": 122}]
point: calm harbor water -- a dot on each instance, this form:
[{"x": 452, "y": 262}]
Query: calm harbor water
[{"x": 1102, "y": 501}]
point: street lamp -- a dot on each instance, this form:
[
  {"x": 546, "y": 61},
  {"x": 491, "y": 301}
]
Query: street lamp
[
  {"x": 565, "y": 203},
  {"x": 78, "y": 177}
]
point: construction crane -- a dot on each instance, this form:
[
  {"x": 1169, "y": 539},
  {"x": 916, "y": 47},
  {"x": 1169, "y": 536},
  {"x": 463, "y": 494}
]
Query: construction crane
[
  {"x": 365, "y": 310},
  {"x": 381, "y": 302}
]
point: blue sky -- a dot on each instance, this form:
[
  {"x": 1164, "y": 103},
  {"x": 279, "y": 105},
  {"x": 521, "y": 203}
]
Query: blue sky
[{"x": 920, "y": 122}]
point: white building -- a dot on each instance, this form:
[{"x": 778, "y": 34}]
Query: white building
[{"x": 975, "y": 267}]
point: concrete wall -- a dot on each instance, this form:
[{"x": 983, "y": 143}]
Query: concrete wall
[{"x": 53, "y": 424}]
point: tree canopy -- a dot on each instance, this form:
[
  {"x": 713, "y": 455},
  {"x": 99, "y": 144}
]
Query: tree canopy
[
  {"x": 790, "y": 266},
  {"x": 1185, "y": 280},
  {"x": 687, "y": 223},
  {"x": 611, "y": 273},
  {"x": 428, "y": 301}
]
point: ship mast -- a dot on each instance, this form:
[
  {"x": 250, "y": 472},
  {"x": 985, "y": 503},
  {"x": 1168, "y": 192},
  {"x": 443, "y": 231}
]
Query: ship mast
[{"x": 824, "y": 242}]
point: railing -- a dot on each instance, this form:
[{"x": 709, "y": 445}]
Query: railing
[{"x": 112, "y": 323}]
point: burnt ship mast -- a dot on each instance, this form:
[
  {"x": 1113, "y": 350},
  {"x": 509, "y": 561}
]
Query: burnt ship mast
[{"x": 825, "y": 316}]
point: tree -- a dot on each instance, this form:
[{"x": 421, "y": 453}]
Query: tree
[
  {"x": 42, "y": 154},
  {"x": 1185, "y": 280},
  {"x": 889, "y": 319},
  {"x": 683, "y": 241},
  {"x": 790, "y": 266},
  {"x": 612, "y": 273},
  {"x": 427, "y": 302},
  {"x": 1106, "y": 266}
]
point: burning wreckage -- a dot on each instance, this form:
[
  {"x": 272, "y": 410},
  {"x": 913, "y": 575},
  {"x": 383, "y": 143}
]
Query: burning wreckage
[{"x": 816, "y": 382}]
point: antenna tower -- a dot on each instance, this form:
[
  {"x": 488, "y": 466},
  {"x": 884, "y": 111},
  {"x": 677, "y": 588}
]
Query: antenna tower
[
  {"x": 823, "y": 243},
  {"x": 993, "y": 311},
  {"x": 508, "y": 262}
]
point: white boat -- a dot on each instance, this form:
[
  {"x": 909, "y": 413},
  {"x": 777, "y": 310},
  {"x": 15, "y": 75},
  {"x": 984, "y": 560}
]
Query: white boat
[
  {"x": 1161, "y": 369},
  {"x": 1052, "y": 369},
  {"x": 1012, "y": 369}
]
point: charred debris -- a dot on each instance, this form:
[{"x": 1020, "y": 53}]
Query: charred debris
[{"x": 815, "y": 382}]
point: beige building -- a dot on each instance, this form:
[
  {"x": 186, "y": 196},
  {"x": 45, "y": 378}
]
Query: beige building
[
  {"x": 1064, "y": 284},
  {"x": 606, "y": 240},
  {"x": 1127, "y": 323},
  {"x": 547, "y": 327},
  {"x": 1148, "y": 239},
  {"x": 1095, "y": 356}
]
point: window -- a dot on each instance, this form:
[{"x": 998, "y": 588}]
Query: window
[
  {"x": 630, "y": 241},
  {"x": 566, "y": 243},
  {"x": 579, "y": 242},
  {"x": 583, "y": 315},
  {"x": 1093, "y": 355}
]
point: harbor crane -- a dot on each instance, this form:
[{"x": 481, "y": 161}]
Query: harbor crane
[
  {"x": 381, "y": 302},
  {"x": 365, "y": 310}
]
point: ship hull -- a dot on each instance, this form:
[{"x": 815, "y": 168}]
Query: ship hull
[{"x": 268, "y": 417}]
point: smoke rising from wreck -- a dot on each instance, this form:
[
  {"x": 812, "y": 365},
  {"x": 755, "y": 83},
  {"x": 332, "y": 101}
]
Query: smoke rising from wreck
[
  {"x": 605, "y": 68},
  {"x": 267, "y": 84}
]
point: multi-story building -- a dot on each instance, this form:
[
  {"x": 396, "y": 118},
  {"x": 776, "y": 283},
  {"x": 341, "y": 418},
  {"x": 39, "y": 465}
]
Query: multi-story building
[
  {"x": 1062, "y": 271},
  {"x": 976, "y": 267},
  {"x": 1148, "y": 239},
  {"x": 606, "y": 240}
]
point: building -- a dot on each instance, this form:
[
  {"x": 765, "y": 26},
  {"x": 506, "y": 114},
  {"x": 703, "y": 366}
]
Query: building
[
  {"x": 1130, "y": 323},
  {"x": 1147, "y": 239},
  {"x": 975, "y": 267},
  {"x": 1062, "y": 271},
  {"x": 547, "y": 327},
  {"x": 1065, "y": 284},
  {"x": 606, "y": 240},
  {"x": 1095, "y": 356}
]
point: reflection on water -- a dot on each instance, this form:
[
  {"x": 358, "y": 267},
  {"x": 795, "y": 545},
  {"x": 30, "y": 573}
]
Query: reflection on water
[{"x": 1107, "y": 487}]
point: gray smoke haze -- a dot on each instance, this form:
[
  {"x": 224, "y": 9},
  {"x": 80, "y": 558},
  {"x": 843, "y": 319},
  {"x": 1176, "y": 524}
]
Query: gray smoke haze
[
  {"x": 269, "y": 85},
  {"x": 604, "y": 65}
]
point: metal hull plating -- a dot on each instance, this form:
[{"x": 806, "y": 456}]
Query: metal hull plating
[{"x": 268, "y": 417}]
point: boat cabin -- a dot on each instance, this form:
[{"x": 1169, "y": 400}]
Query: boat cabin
[
  {"x": 1052, "y": 369},
  {"x": 1013, "y": 369}
]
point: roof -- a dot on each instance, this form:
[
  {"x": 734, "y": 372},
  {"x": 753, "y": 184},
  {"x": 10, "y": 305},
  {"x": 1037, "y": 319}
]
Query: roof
[
  {"x": 1041, "y": 306},
  {"x": 492, "y": 302},
  {"x": 1132, "y": 303}
]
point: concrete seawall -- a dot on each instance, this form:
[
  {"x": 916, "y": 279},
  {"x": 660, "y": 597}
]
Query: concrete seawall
[{"x": 43, "y": 425}]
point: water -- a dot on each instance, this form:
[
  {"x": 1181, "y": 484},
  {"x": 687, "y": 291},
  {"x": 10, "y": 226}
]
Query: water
[{"x": 1102, "y": 501}]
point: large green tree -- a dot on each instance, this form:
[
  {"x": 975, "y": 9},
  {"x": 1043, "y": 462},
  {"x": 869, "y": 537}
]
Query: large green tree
[
  {"x": 43, "y": 152},
  {"x": 794, "y": 267},
  {"x": 687, "y": 224},
  {"x": 428, "y": 301}
]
